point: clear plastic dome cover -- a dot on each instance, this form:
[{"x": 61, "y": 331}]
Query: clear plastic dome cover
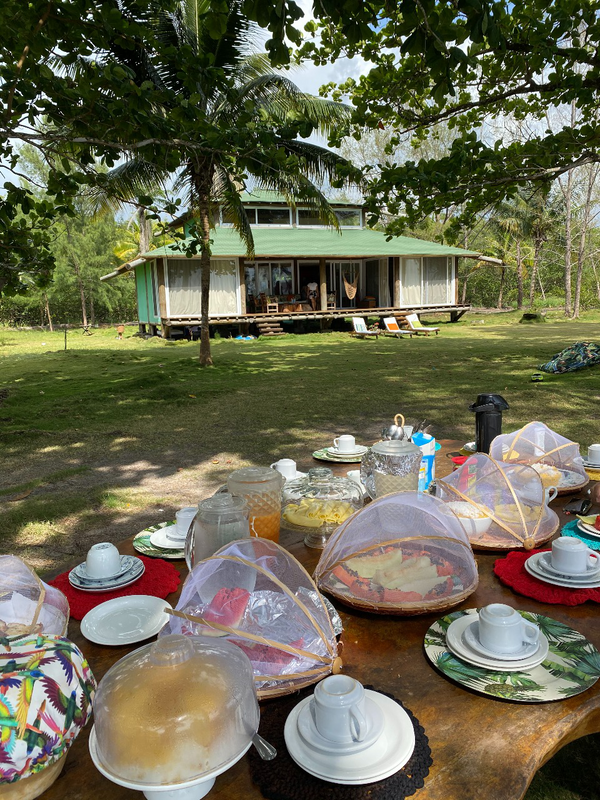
[
  {"x": 175, "y": 710},
  {"x": 501, "y": 505},
  {"x": 556, "y": 459},
  {"x": 258, "y": 596},
  {"x": 405, "y": 553},
  {"x": 27, "y": 604}
]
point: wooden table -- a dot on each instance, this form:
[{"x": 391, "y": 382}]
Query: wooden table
[{"x": 482, "y": 747}]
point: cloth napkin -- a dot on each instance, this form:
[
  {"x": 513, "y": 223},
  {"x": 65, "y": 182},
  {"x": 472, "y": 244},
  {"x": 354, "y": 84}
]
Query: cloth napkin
[
  {"x": 511, "y": 571},
  {"x": 159, "y": 579}
]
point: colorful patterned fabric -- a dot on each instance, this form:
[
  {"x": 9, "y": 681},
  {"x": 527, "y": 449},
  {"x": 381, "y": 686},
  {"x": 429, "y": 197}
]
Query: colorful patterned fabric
[
  {"x": 576, "y": 356},
  {"x": 46, "y": 690}
]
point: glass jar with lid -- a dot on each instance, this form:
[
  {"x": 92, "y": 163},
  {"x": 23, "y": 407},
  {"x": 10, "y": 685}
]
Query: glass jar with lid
[
  {"x": 261, "y": 489},
  {"x": 318, "y": 503},
  {"x": 391, "y": 466},
  {"x": 220, "y": 519}
]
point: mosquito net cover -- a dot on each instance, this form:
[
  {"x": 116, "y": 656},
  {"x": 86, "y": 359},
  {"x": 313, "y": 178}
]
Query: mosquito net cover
[
  {"x": 405, "y": 553},
  {"x": 27, "y": 604}
]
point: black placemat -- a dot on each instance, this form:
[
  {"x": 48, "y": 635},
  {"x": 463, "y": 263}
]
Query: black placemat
[{"x": 283, "y": 779}]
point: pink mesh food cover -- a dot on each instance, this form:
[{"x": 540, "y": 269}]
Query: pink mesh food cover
[
  {"x": 254, "y": 593},
  {"x": 556, "y": 459},
  {"x": 500, "y": 505},
  {"x": 27, "y": 604},
  {"x": 405, "y": 553}
]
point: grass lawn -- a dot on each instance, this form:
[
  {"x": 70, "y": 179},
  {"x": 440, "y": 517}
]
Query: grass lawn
[{"x": 106, "y": 437}]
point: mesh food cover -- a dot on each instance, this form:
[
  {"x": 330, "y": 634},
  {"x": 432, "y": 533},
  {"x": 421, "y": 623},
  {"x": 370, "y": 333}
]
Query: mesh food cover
[
  {"x": 174, "y": 710},
  {"x": 405, "y": 553},
  {"x": 556, "y": 459},
  {"x": 46, "y": 689},
  {"x": 500, "y": 505},
  {"x": 27, "y": 604},
  {"x": 254, "y": 593}
]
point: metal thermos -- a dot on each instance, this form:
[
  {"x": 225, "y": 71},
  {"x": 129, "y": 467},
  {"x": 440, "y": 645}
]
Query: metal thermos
[{"x": 488, "y": 419}]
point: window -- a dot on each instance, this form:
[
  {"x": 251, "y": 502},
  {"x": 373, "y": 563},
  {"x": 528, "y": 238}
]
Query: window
[
  {"x": 435, "y": 280},
  {"x": 227, "y": 218},
  {"x": 273, "y": 216},
  {"x": 306, "y": 217},
  {"x": 348, "y": 217},
  {"x": 269, "y": 278}
]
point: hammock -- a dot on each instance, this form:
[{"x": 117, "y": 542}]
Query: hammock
[{"x": 351, "y": 288}]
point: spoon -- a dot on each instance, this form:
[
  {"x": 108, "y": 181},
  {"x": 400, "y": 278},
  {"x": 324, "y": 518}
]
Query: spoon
[{"x": 265, "y": 750}]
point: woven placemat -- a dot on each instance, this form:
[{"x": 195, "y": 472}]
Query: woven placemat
[{"x": 283, "y": 779}]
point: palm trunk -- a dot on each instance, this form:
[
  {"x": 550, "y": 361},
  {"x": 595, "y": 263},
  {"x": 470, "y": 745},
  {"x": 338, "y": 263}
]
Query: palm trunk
[
  {"x": 537, "y": 251},
  {"x": 502, "y": 277},
  {"x": 519, "y": 276},
  {"x": 145, "y": 230},
  {"x": 202, "y": 186}
]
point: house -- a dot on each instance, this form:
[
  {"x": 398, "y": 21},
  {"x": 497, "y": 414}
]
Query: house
[{"x": 356, "y": 270}]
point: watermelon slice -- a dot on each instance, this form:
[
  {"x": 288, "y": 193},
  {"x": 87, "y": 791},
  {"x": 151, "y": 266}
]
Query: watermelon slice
[
  {"x": 227, "y": 607},
  {"x": 265, "y": 655},
  {"x": 597, "y": 523}
]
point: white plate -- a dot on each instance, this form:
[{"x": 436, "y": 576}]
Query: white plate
[
  {"x": 590, "y": 464},
  {"x": 389, "y": 754},
  {"x": 538, "y": 566},
  {"x": 565, "y": 582},
  {"x": 545, "y": 562},
  {"x": 312, "y": 737},
  {"x": 359, "y": 450},
  {"x": 159, "y": 538},
  {"x": 589, "y": 530},
  {"x": 125, "y": 620},
  {"x": 111, "y": 584},
  {"x": 570, "y": 479},
  {"x": 456, "y": 643},
  {"x": 471, "y": 638}
]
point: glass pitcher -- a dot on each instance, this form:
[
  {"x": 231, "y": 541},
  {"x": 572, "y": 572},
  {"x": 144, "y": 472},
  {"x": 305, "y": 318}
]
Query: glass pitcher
[
  {"x": 390, "y": 466},
  {"x": 261, "y": 489},
  {"x": 220, "y": 519}
]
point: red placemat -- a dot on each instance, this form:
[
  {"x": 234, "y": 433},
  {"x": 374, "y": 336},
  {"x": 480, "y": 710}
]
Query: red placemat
[
  {"x": 511, "y": 571},
  {"x": 160, "y": 579}
]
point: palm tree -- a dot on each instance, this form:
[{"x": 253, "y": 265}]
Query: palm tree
[{"x": 252, "y": 119}]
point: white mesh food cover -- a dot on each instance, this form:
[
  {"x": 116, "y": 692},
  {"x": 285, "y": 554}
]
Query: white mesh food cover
[
  {"x": 27, "y": 604},
  {"x": 556, "y": 458},
  {"x": 175, "y": 710},
  {"x": 501, "y": 505},
  {"x": 255, "y": 593},
  {"x": 405, "y": 553}
]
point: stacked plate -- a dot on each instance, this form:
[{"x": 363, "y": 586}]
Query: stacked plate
[
  {"x": 166, "y": 538},
  {"x": 374, "y": 759},
  {"x": 540, "y": 566},
  {"x": 462, "y": 639},
  {"x": 343, "y": 456},
  {"x": 131, "y": 570}
]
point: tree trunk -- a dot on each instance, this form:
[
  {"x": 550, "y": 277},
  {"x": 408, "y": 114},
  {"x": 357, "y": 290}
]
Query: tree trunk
[
  {"x": 519, "y": 276},
  {"x": 92, "y": 311},
  {"x": 47, "y": 307},
  {"x": 145, "y": 228},
  {"x": 464, "y": 290},
  {"x": 202, "y": 181},
  {"x": 537, "y": 251},
  {"x": 77, "y": 271},
  {"x": 502, "y": 277},
  {"x": 597, "y": 281},
  {"x": 585, "y": 224}
]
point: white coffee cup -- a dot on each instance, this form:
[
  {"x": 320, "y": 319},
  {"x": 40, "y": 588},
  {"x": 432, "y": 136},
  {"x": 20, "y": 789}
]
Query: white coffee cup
[
  {"x": 345, "y": 444},
  {"x": 103, "y": 560},
  {"x": 503, "y": 630},
  {"x": 571, "y": 556},
  {"x": 183, "y": 520},
  {"x": 338, "y": 709},
  {"x": 594, "y": 454},
  {"x": 285, "y": 467},
  {"x": 550, "y": 493}
]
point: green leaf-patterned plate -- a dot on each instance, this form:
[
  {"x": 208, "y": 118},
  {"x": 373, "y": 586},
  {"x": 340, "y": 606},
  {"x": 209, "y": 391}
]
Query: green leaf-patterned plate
[
  {"x": 143, "y": 545},
  {"x": 324, "y": 455},
  {"x": 571, "y": 667}
]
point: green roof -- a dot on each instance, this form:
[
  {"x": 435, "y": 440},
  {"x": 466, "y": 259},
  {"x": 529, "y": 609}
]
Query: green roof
[
  {"x": 270, "y": 196},
  {"x": 318, "y": 242}
]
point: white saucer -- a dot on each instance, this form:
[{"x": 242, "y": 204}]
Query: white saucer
[
  {"x": 359, "y": 450},
  {"x": 160, "y": 538},
  {"x": 312, "y": 737},
  {"x": 545, "y": 562},
  {"x": 389, "y": 753},
  {"x": 456, "y": 644},
  {"x": 568, "y": 583},
  {"x": 471, "y": 638},
  {"x": 125, "y": 620},
  {"x": 127, "y": 563},
  {"x": 590, "y": 464},
  {"x": 111, "y": 584}
]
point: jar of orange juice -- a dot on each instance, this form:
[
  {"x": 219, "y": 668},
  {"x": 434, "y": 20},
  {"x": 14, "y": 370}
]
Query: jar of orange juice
[{"x": 261, "y": 489}]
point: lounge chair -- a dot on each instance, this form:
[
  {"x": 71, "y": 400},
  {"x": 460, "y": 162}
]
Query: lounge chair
[
  {"x": 393, "y": 329},
  {"x": 361, "y": 330},
  {"x": 414, "y": 324}
]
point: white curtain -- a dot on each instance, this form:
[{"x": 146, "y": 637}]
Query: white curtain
[
  {"x": 184, "y": 287},
  {"x": 384, "y": 284},
  {"x": 435, "y": 280},
  {"x": 410, "y": 284},
  {"x": 223, "y": 287}
]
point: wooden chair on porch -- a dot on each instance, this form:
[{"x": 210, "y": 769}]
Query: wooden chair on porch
[
  {"x": 331, "y": 300},
  {"x": 268, "y": 305}
]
